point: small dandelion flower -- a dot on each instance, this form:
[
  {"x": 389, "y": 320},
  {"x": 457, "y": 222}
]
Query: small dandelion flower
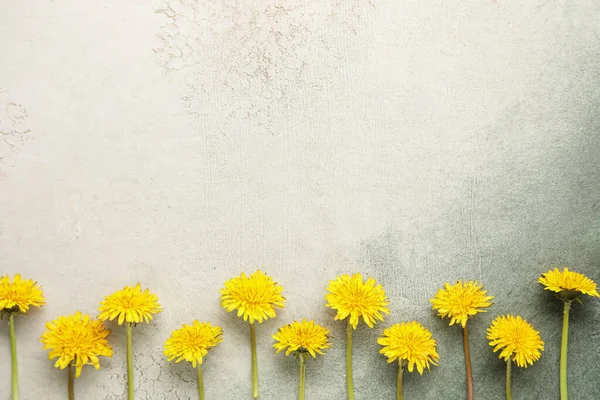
[
  {"x": 516, "y": 338},
  {"x": 130, "y": 305},
  {"x": 16, "y": 297},
  {"x": 254, "y": 297},
  {"x": 458, "y": 302},
  {"x": 302, "y": 338},
  {"x": 410, "y": 343},
  {"x": 352, "y": 296},
  {"x": 76, "y": 340},
  {"x": 192, "y": 342},
  {"x": 568, "y": 284},
  {"x": 19, "y": 295},
  {"x": 305, "y": 336}
]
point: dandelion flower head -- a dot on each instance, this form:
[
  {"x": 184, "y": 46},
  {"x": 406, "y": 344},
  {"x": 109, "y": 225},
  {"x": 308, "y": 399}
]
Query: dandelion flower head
[
  {"x": 352, "y": 296},
  {"x": 130, "y": 304},
  {"x": 77, "y": 340},
  {"x": 516, "y": 338},
  {"x": 20, "y": 294},
  {"x": 302, "y": 337},
  {"x": 568, "y": 283},
  {"x": 410, "y": 342},
  {"x": 460, "y": 301},
  {"x": 254, "y": 297},
  {"x": 192, "y": 342}
]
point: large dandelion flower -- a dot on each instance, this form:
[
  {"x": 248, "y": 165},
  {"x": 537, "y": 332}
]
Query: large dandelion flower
[
  {"x": 254, "y": 297},
  {"x": 458, "y": 302},
  {"x": 76, "y": 340},
  {"x": 192, "y": 342},
  {"x": 130, "y": 305},
  {"x": 20, "y": 294},
  {"x": 352, "y": 296},
  {"x": 516, "y": 338},
  {"x": 305, "y": 336},
  {"x": 410, "y": 343},
  {"x": 568, "y": 284}
]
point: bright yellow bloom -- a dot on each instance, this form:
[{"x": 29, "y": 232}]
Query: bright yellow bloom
[
  {"x": 76, "y": 339},
  {"x": 131, "y": 305},
  {"x": 302, "y": 337},
  {"x": 517, "y": 339},
  {"x": 20, "y": 294},
  {"x": 410, "y": 342},
  {"x": 254, "y": 297},
  {"x": 351, "y": 296},
  {"x": 192, "y": 342},
  {"x": 459, "y": 301},
  {"x": 567, "y": 283}
]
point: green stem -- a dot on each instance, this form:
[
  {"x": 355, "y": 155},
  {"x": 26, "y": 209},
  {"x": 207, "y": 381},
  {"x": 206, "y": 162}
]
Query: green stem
[
  {"x": 468, "y": 363},
  {"x": 564, "y": 395},
  {"x": 508, "y": 379},
  {"x": 399, "y": 382},
  {"x": 129, "y": 362},
  {"x": 13, "y": 356},
  {"x": 302, "y": 376},
  {"x": 71, "y": 383},
  {"x": 254, "y": 362},
  {"x": 349, "y": 379},
  {"x": 200, "y": 383}
]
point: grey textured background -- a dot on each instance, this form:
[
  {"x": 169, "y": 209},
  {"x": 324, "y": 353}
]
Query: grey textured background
[{"x": 180, "y": 142}]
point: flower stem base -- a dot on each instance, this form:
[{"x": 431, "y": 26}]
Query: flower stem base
[
  {"x": 200, "y": 382},
  {"x": 508, "y": 379},
  {"x": 129, "y": 335},
  {"x": 399, "y": 382},
  {"x": 564, "y": 394},
  {"x": 349, "y": 378},
  {"x": 302, "y": 357},
  {"x": 468, "y": 368},
  {"x": 13, "y": 356},
  {"x": 71, "y": 382},
  {"x": 254, "y": 362}
]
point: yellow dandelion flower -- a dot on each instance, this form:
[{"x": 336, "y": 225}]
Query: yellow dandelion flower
[
  {"x": 254, "y": 297},
  {"x": 192, "y": 342},
  {"x": 76, "y": 340},
  {"x": 458, "y": 302},
  {"x": 20, "y": 294},
  {"x": 131, "y": 305},
  {"x": 410, "y": 342},
  {"x": 516, "y": 338},
  {"x": 352, "y": 296},
  {"x": 305, "y": 336},
  {"x": 568, "y": 284}
]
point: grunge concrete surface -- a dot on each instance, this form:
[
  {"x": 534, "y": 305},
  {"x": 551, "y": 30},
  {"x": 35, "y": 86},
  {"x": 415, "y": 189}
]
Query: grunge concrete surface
[{"x": 181, "y": 142}]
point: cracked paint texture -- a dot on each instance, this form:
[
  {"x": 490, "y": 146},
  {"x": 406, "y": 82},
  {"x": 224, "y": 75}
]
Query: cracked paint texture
[{"x": 178, "y": 143}]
